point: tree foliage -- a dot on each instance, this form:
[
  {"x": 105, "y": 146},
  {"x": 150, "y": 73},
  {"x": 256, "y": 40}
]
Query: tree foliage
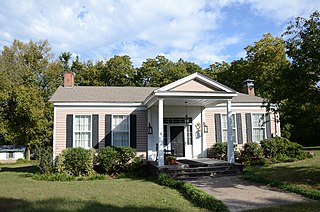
[{"x": 27, "y": 79}]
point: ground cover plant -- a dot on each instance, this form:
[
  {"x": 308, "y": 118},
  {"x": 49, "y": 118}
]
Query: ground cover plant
[
  {"x": 19, "y": 192},
  {"x": 300, "y": 176}
]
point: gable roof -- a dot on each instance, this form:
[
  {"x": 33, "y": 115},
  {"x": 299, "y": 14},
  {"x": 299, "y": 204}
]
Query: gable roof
[
  {"x": 214, "y": 85},
  {"x": 101, "y": 94},
  {"x": 113, "y": 94}
]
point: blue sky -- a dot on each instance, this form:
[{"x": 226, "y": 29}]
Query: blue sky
[{"x": 198, "y": 31}]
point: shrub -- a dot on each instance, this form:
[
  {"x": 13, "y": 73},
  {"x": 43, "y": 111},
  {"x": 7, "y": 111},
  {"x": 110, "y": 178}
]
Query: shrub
[
  {"x": 282, "y": 150},
  {"x": 76, "y": 162},
  {"x": 45, "y": 157},
  {"x": 220, "y": 150},
  {"x": 252, "y": 153},
  {"x": 116, "y": 160},
  {"x": 195, "y": 195}
]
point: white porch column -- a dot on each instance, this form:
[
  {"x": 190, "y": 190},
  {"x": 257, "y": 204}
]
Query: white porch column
[
  {"x": 160, "y": 130},
  {"x": 230, "y": 142}
]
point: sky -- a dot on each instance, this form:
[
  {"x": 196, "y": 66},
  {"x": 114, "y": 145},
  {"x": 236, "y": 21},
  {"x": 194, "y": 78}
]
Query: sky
[{"x": 199, "y": 31}]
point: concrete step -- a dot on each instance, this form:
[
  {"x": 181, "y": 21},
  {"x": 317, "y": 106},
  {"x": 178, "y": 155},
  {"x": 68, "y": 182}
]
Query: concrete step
[{"x": 190, "y": 175}]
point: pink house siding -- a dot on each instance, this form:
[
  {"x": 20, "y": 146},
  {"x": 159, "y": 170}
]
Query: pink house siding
[{"x": 61, "y": 114}]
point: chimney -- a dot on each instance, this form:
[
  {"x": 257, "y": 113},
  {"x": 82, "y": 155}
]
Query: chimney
[
  {"x": 68, "y": 79},
  {"x": 248, "y": 87}
]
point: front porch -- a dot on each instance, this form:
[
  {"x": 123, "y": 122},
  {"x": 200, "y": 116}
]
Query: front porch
[{"x": 176, "y": 117}]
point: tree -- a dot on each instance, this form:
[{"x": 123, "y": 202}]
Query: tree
[
  {"x": 118, "y": 71},
  {"x": 28, "y": 78},
  {"x": 301, "y": 94}
]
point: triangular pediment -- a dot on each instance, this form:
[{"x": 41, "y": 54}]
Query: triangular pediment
[{"x": 195, "y": 83}]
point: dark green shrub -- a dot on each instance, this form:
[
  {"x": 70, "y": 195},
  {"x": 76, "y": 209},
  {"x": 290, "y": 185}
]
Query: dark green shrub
[
  {"x": 196, "y": 196},
  {"x": 282, "y": 150},
  {"x": 116, "y": 160},
  {"x": 252, "y": 153},
  {"x": 220, "y": 150},
  {"x": 45, "y": 158},
  {"x": 76, "y": 161},
  {"x": 107, "y": 159}
]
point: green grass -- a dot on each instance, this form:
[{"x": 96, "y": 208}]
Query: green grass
[
  {"x": 302, "y": 177},
  {"x": 19, "y": 192},
  {"x": 304, "y": 174}
]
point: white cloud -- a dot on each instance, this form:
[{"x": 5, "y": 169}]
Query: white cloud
[{"x": 97, "y": 29}]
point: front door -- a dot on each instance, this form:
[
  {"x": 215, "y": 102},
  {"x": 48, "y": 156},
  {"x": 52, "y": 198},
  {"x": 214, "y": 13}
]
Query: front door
[{"x": 177, "y": 140}]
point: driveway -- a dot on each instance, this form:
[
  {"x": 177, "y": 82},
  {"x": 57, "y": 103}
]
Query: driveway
[{"x": 239, "y": 195}]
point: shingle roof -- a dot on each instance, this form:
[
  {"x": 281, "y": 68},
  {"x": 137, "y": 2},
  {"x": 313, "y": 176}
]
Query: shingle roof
[
  {"x": 121, "y": 95},
  {"x": 102, "y": 94},
  {"x": 245, "y": 98}
]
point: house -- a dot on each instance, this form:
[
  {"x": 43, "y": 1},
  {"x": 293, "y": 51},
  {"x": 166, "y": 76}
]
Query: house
[
  {"x": 187, "y": 116},
  {"x": 11, "y": 152}
]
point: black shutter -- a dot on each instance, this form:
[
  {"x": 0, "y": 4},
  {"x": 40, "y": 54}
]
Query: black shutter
[
  {"x": 108, "y": 132},
  {"x": 239, "y": 128},
  {"x": 249, "y": 127},
  {"x": 69, "y": 127},
  {"x": 133, "y": 131},
  {"x": 95, "y": 131},
  {"x": 217, "y": 121},
  {"x": 268, "y": 125}
]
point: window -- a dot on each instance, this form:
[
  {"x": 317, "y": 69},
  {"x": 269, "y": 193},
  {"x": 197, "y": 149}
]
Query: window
[
  {"x": 189, "y": 134},
  {"x": 225, "y": 128},
  {"x": 120, "y": 130},
  {"x": 82, "y": 131},
  {"x": 10, "y": 155},
  {"x": 258, "y": 127},
  {"x": 165, "y": 135}
]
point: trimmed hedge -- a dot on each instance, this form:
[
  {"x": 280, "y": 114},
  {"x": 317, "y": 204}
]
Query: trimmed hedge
[
  {"x": 252, "y": 154},
  {"x": 198, "y": 197},
  {"x": 45, "y": 157}
]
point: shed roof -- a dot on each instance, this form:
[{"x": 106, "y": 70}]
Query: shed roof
[{"x": 12, "y": 148}]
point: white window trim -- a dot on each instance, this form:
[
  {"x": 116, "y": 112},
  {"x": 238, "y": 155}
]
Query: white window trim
[
  {"x": 264, "y": 125},
  {"x": 235, "y": 126},
  {"x": 112, "y": 128},
  {"x": 73, "y": 129}
]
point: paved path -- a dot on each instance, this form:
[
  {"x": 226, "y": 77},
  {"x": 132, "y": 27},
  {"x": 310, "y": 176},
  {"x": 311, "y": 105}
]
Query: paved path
[{"x": 241, "y": 195}]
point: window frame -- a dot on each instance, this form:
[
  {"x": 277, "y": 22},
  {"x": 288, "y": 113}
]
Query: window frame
[
  {"x": 74, "y": 131},
  {"x": 233, "y": 128},
  {"x": 264, "y": 126},
  {"x": 113, "y": 127},
  {"x": 9, "y": 154}
]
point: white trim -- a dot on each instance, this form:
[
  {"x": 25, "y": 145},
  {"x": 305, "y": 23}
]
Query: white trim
[
  {"x": 236, "y": 104},
  {"x": 73, "y": 129},
  {"x": 118, "y": 104},
  {"x": 192, "y": 94},
  {"x": 54, "y": 131},
  {"x": 100, "y": 108},
  {"x": 112, "y": 128}
]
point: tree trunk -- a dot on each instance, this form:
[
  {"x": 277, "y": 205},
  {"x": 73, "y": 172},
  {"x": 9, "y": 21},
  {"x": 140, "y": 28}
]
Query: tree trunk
[{"x": 27, "y": 153}]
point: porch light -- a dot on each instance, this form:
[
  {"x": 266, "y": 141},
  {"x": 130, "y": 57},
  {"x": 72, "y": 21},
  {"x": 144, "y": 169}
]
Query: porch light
[
  {"x": 205, "y": 128},
  {"x": 198, "y": 125},
  {"x": 150, "y": 129}
]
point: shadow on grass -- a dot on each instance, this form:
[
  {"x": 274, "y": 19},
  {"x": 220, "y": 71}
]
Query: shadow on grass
[
  {"x": 60, "y": 204},
  {"x": 30, "y": 168}
]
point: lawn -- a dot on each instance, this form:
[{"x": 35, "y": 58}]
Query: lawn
[
  {"x": 303, "y": 174},
  {"x": 19, "y": 192}
]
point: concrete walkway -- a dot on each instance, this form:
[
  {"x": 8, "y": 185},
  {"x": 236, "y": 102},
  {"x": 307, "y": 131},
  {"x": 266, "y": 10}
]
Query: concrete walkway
[{"x": 239, "y": 195}]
